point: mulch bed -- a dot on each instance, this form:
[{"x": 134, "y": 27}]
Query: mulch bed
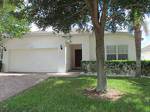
[{"x": 110, "y": 94}]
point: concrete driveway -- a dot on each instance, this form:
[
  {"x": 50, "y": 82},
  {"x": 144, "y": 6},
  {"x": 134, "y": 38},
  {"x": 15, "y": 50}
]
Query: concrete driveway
[{"x": 11, "y": 83}]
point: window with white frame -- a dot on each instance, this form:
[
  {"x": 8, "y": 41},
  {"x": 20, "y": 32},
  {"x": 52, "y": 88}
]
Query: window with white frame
[
  {"x": 122, "y": 52},
  {"x": 117, "y": 52},
  {"x": 111, "y": 52}
]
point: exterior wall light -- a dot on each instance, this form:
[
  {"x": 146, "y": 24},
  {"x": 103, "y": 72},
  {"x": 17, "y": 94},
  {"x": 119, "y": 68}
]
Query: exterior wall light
[
  {"x": 61, "y": 47},
  {"x": 5, "y": 49}
]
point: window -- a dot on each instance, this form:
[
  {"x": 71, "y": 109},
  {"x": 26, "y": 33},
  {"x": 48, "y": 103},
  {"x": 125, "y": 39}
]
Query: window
[
  {"x": 122, "y": 52},
  {"x": 111, "y": 52},
  {"x": 119, "y": 52}
]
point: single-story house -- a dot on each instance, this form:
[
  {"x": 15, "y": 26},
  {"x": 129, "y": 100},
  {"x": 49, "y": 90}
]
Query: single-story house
[
  {"x": 145, "y": 53},
  {"x": 48, "y": 52}
]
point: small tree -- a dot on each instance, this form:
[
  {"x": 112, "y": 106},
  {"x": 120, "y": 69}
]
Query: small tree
[{"x": 10, "y": 26}]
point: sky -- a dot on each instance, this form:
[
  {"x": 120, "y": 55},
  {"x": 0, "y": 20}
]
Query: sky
[{"x": 145, "y": 36}]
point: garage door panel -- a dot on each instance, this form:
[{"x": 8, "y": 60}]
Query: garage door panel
[{"x": 33, "y": 60}]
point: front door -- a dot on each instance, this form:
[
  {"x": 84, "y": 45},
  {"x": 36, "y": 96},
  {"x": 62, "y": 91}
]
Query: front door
[{"x": 78, "y": 57}]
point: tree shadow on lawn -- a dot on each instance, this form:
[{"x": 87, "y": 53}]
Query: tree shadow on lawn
[
  {"x": 140, "y": 84},
  {"x": 66, "y": 95},
  {"x": 137, "y": 92}
]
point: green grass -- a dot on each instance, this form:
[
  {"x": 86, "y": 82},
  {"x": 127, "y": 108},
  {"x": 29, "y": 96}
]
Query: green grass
[{"x": 66, "y": 95}]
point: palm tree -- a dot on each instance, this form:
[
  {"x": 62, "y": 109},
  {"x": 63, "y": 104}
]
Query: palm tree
[{"x": 137, "y": 19}]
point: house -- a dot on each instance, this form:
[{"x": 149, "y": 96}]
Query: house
[
  {"x": 48, "y": 52},
  {"x": 145, "y": 53}
]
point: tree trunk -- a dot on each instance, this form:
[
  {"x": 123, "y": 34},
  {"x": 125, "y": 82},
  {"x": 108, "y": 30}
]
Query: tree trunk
[
  {"x": 137, "y": 34},
  {"x": 99, "y": 26},
  {"x": 100, "y": 57},
  {"x": 4, "y": 3}
]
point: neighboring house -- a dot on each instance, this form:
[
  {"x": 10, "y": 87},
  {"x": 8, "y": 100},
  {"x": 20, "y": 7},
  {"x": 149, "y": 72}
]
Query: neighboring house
[
  {"x": 145, "y": 53},
  {"x": 45, "y": 52}
]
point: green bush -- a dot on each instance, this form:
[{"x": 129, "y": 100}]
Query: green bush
[{"x": 118, "y": 67}]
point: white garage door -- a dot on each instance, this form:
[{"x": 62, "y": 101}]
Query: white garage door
[{"x": 33, "y": 60}]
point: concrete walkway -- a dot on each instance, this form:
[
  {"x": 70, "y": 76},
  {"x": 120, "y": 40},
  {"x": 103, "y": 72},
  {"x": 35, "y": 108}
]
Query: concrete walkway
[{"x": 13, "y": 83}]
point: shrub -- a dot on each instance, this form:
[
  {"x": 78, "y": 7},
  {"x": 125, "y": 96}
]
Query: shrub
[{"x": 118, "y": 67}]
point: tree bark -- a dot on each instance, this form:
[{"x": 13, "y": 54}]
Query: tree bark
[
  {"x": 137, "y": 34},
  {"x": 99, "y": 26},
  {"x": 3, "y": 3},
  {"x": 100, "y": 57}
]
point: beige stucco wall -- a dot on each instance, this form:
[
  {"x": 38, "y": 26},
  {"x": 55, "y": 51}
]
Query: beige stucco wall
[
  {"x": 145, "y": 55},
  {"x": 83, "y": 40},
  {"x": 34, "y": 41},
  {"x": 42, "y": 40},
  {"x": 68, "y": 57},
  {"x": 115, "y": 39}
]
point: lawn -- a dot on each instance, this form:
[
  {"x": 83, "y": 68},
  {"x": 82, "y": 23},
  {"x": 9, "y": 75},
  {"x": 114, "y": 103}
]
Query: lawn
[{"x": 66, "y": 95}]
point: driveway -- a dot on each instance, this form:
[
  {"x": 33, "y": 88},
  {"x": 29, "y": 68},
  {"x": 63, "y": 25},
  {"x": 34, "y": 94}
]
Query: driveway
[{"x": 13, "y": 83}]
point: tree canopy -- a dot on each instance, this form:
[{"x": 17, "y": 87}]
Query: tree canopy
[
  {"x": 10, "y": 26},
  {"x": 63, "y": 15}
]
